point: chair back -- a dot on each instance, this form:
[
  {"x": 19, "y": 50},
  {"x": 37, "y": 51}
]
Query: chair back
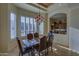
[
  {"x": 19, "y": 45},
  {"x": 49, "y": 42},
  {"x": 30, "y": 36},
  {"x": 36, "y": 35},
  {"x": 43, "y": 41}
]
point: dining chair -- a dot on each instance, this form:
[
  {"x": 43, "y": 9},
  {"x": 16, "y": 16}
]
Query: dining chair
[
  {"x": 36, "y": 36},
  {"x": 30, "y": 36},
  {"x": 49, "y": 44},
  {"x": 42, "y": 45},
  {"x": 22, "y": 50}
]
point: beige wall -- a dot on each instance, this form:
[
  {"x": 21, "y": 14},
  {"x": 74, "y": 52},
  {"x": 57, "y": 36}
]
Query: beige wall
[
  {"x": 4, "y": 32},
  {"x": 74, "y": 29},
  {"x": 72, "y": 11},
  {"x": 53, "y": 9},
  {"x": 19, "y": 12},
  {"x": 46, "y": 24},
  {"x": 6, "y": 43}
]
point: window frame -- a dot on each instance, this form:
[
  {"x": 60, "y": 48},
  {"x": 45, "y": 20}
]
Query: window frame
[
  {"x": 34, "y": 30},
  {"x": 15, "y": 16},
  {"x": 42, "y": 28},
  {"x": 24, "y": 25}
]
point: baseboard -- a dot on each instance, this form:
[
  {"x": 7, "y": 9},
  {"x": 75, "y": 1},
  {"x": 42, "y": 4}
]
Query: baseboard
[
  {"x": 69, "y": 49},
  {"x": 64, "y": 45},
  {"x": 3, "y": 54},
  {"x": 11, "y": 49},
  {"x": 75, "y": 51}
]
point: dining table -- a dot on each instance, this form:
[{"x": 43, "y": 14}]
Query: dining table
[{"x": 30, "y": 44}]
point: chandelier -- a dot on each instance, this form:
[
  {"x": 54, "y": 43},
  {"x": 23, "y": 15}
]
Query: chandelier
[{"x": 39, "y": 18}]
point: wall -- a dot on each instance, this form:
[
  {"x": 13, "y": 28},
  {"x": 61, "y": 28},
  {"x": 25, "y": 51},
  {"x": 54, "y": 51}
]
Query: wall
[
  {"x": 61, "y": 39},
  {"x": 74, "y": 29},
  {"x": 46, "y": 25},
  {"x": 19, "y": 12},
  {"x": 4, "y": 28},
  {"x": 6, "y": 43},
  {"x": 72, "y": 11},
  {"x": 60, "y": 8}
]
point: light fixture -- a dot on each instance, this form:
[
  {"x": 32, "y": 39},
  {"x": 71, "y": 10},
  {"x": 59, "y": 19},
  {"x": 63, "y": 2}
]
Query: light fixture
[{"x": 39, "y": 18}]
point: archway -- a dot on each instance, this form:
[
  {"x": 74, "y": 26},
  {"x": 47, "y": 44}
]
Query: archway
[{"x": 59, "y": 21}]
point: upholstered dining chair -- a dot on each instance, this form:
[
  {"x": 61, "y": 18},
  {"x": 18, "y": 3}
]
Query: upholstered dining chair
[
  {"x": 42, "y": 46},
  {"x": 22, "y": 50},
  {"x": 30, "y": 36},
  {"x": 36, "y": 36},
  {"x": 49, "y": 44}
]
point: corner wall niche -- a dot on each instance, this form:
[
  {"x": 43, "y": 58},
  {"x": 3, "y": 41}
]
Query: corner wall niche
[{"x": 60, "y": 23}]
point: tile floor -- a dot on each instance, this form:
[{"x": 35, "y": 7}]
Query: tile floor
[{"x": 58, "y": 50}]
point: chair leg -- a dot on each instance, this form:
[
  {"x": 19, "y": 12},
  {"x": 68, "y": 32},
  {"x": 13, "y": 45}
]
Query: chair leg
[
  {"x": 51, "y": 48},
  {"x": 29, "y": 53},
  {"x": 19, "y": 53},
  {"x": 39, "y": 53},
  {"x": 47, "y": 51},
  {"x": 32, "y": 53}
]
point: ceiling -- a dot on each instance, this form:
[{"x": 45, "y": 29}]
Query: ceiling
[
  {"x": 43, "y": 6},
  {"x": 29, "y": 7},
  {"x": 59, "y": 16},
  {"x": 34, "y": 7},
  {"x": 46, "y": 5}
]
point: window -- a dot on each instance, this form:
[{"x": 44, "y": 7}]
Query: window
[
  {"x": 13, "y": 25},
  {"x": 31, "y": 25},
  {"x": 22, "y": 26},
  {"x": 35, "y": 26},
  {"x": 28, "y": 25},
  {"x": 41, "y": 28}
]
